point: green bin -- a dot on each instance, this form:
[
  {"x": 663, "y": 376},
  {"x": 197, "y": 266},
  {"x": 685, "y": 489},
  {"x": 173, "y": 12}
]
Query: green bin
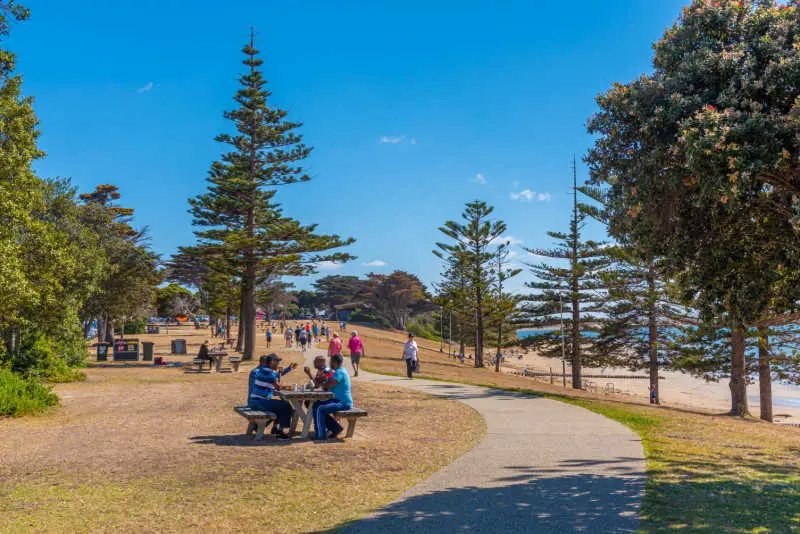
[{"x": 147, "y": 347}]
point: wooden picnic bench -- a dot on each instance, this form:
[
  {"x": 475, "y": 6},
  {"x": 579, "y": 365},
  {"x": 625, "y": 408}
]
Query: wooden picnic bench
[
  {"x": 351, "y": 416},
  {"x": 198, "y": 364},
  {"x": 235, "y": 361},
  {"x": 256, "y": 420}
]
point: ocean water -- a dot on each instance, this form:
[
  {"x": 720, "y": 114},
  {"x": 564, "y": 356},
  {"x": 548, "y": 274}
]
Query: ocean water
[{"x": 522, "y": 334}]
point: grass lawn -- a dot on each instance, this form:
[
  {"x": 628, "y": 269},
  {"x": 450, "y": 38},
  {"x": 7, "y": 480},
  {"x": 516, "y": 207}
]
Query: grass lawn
[
  {"x": 139, "y": 449},
  {"x": 706, "y": 472}
]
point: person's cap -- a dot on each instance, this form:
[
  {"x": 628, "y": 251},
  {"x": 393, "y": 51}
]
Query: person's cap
[
  {"x": 355, "y": 333},
  {"x": 411, "y": 334},
  {"x": 273, "y": 358},
  {"x": 336, "y": 334}
]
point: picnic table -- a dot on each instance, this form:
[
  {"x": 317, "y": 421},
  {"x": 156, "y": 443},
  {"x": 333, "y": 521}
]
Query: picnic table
[
  {"x": 217, "y": 357},
  {"x": 298, "y": 400}
]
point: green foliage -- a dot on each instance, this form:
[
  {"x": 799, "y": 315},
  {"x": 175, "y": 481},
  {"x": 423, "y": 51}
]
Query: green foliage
[
  {"x": 135, "y": 326},
  {"x": 423, "y": 330},
  {"x": 22, "y": 396},
  {"x": 369, "y": 316}
]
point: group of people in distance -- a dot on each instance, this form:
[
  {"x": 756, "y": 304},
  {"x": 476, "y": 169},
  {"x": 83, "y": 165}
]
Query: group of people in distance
[{"x": 303, "y": 335}]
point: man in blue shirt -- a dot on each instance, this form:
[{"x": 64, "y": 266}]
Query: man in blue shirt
[
  {"x": 338, "y": 384},
  {"x": 264, "y": 381}
]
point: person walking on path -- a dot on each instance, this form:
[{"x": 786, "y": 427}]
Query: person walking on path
[
  {"x": 411, "y": 355},
  {"x": 269, "y": 337},
  {"x": 356, "y": 347},
  {"x": 288, "y": 336},
  {"x": 325, "y": 425},
  {"x": 315, "y": 329},
  {"x": 335, "y": 346},
  {"x": 303, "y": 340}
]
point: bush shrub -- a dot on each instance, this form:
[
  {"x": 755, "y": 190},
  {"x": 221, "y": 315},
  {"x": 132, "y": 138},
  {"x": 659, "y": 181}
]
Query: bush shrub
[
  {"x": 21, "y": 396},
  {"x": 423, "y": 331}
]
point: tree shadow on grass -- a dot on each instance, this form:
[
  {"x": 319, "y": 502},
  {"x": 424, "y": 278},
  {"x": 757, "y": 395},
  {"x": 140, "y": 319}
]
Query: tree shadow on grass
[{"x": 571, "y": 503}]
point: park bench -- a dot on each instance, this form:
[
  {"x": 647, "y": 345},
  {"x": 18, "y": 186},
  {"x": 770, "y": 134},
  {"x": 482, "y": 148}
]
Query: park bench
[
  {"x": 256, "y": 420},
  {"x": 351, "y": 416}
]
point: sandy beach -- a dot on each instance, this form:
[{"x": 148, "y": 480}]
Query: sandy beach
[{"x": 677, "y": 389}]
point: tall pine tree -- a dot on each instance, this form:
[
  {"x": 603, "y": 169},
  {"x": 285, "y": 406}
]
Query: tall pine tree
[
  {"x": 574, "y": 289},
  {"x": 242, "y": 223},
  {"x": 473, "y": 250}
]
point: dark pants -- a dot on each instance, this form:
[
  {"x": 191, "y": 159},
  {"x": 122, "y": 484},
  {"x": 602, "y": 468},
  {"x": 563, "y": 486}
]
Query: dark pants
[
  {"x": 280, "y": 408},
  {"x": 411, "y": 366},
  {"x": 323, "y": 416}
]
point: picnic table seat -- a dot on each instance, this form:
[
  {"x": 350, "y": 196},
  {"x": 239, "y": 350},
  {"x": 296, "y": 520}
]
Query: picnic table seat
[
  {"x": 198, "y": 364},
  {"x": 351, "y": 416},
  {"x": 235, "y": 361},
  {"x": 256, "y": 420}
]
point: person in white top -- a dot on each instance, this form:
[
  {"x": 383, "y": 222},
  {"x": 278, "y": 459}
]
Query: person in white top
[{"x": 411, "y": 355}]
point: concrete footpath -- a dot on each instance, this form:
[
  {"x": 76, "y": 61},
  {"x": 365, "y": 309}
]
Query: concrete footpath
[{"x": 544, "y": 466}]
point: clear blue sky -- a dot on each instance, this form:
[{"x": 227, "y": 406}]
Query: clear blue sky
[{"x": 411, "y": 106}]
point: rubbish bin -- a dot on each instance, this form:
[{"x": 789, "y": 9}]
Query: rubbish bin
[
  {"x": 178, "y": 346},
  {"x": 102, "y": 351},
  {"x": 147, "y": 348}
]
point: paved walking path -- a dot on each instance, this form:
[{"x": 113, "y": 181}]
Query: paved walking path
[{"x": 544, "y": 466}]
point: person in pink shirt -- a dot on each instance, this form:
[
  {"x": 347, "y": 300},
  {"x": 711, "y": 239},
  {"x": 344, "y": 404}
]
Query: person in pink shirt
[
  {"x": 335, "y": 345},
  {"x": 356, "y": 347}
]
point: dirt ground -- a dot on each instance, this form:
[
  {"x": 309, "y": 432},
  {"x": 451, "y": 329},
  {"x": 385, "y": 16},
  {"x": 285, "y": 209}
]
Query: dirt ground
[{"x": 136, "y": 448}]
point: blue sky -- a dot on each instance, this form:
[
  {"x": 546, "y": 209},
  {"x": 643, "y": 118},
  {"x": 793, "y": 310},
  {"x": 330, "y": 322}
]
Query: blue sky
[{"x": 414, "y": 108}]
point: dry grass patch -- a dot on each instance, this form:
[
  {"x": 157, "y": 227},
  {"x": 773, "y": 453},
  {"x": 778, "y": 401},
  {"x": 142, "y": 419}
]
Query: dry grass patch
[{"x": 140, "y": 449}]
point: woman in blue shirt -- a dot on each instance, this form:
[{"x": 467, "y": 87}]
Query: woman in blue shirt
[{"x": 326, "y": 425}]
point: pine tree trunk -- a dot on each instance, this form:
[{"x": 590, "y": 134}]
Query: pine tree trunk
[
  {"x": 228, "y": 322},
  {"x": 577, "y": 364},
  {"x": 653, "y": 341},
  {"x": 248, "y": 321},
  {"x": 738, "y": 382},
  {"x": 479, "y": 328},
  {"x": 764, "y": 375},
  {"x": 242, "y": 321},
  {"x": 499, "y": 344}
]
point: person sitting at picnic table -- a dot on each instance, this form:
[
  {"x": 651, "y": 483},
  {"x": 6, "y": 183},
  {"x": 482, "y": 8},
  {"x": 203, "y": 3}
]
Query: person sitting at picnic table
[
  {"x": 264, "y": 381},
  {"x": 203, "y": 354},
  {"x": 323, "y": 372},
  {"x": 325, "y": 425}
]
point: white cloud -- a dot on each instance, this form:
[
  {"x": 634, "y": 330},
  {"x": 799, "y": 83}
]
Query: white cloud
[
  {"x": 328, "y": 266},
  {"x": 146, "y": 88},
  {"x": 392, "y": 139},
  {"x": 510, "y": 239},
  {"x": 526, "y": 195},
  {"x": 397, "y": 140},
  {"x": 478, "y": 179},
  {"x": 374, "y": 263},
  {"x": 513, "y": 253}
]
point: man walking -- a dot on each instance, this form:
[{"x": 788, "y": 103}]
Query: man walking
[{"x": 410, "y": 355}]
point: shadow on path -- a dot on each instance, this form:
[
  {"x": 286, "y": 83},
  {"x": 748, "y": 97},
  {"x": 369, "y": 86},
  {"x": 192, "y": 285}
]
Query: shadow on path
[{"x": 569, "y": 503}]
